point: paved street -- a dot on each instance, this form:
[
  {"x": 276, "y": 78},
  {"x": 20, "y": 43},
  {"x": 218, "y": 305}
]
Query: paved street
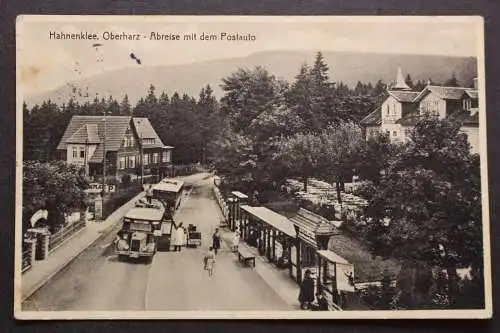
[
  {"x": 178, "y": 281},
  {"x": 96, "y": 280}
]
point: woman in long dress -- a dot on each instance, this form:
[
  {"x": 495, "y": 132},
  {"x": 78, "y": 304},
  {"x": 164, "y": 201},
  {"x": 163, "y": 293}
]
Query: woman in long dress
[
  {"x": 179, "y": 238},
  {"x": 209, "y": 261},
  {"x": 236, "y": 239},
  {"x": 216, "y": 240}
]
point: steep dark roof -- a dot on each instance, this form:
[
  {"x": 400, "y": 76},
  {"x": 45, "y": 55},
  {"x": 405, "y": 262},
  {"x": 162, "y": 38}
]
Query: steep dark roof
[
  {"x": 88, "y": 133},
  {"x": 450, "y": 93},
  {"x": 373, "y": 119},
  {"x": 146, "y": 131},
  {"x": 403, "y": 96},
  {"x": 115, "y": 130},
  {"x": 472, "y": 94}
]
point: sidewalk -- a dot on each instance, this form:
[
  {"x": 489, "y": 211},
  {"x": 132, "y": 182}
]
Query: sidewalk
[
  {"x": 42, "y": 271},
  {"x": 276, "y": 278}
]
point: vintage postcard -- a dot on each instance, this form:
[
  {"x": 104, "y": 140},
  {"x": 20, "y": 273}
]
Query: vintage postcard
[{"x": 206, "y": 167}]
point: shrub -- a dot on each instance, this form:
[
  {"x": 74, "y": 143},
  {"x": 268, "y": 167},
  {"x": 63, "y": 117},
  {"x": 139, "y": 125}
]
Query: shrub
[
  {"x": 126, "y": 179},
  {"x": 122, "y": 196}
]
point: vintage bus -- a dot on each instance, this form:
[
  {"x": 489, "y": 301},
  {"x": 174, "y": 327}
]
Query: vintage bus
[
  {"x": 141, "y": 228},
  {"x": 169, "y": 191}
]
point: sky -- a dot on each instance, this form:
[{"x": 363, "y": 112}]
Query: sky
[{"x": 45, "y": 64}]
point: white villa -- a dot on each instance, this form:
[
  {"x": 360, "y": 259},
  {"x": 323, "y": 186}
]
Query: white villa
[{"x": 402, "y": 109}]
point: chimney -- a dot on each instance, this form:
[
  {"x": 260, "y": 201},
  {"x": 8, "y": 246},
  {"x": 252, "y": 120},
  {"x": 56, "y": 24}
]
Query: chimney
[{"x": 475, "y": 83}]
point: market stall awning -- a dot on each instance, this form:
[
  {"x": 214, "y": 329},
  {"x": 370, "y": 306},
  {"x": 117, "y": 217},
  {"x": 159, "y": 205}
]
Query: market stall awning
[
  {"x": 332, "y": 257},
  {"x": 311, "y": 225},
  {"x": 239, "y": 195},
  {"x": 275, "y": 220},
  {"x": 344, "y": 270}
]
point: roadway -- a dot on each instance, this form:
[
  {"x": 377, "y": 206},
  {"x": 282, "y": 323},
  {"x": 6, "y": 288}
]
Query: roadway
[{"x": 97, "y": 281}]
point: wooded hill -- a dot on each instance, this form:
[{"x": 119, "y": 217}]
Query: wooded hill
[{"x": 191, "y": 78}]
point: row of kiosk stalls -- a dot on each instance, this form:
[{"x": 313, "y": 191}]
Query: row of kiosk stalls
[
  {"x": 271, "y": 233},
  {"x": 235, "y": 201},
  {"x": 298, "y": 244}
]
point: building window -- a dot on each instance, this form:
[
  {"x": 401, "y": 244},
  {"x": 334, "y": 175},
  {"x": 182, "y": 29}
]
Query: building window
[
  {"x": 131, "y": 161},
  {"x": 169, "y": 155},
  {"x": 388, "y": 109},
  {"x": 467, "y": 104},
  {"x": 121, "y": 164},
  {"x": 75, "y": 152},
  {"x": 128, "y": 141},
  {"x": 394, "y": 133},
  {"x": 155, "y": 158},
  {"x": 146, "y": 159},
  {"x": 148, "y": 141},
  {"x": 164, "y": 156}
]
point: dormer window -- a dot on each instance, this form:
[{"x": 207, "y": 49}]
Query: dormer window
[
  {"x": 128, "y": 141},
  {"x": 149, "y": 141},
  {"x": 467, "y": 104}
]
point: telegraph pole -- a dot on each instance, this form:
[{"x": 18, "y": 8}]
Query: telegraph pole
[
  {"x": 85, "y": 161},
  {"x": 104, "y": 157},
  {"x": 142, "y": 160}
]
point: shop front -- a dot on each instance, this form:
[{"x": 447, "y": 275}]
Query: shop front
[
  {"x": 235, "y": 200},
  {"x": 335, "y": 277},
  {"x": 271, "y": 233},
  {"x": 313, "y": 233}
]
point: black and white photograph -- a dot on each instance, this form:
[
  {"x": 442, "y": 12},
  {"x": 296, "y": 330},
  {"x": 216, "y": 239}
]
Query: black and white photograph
[{"x": 251, "y": 167}]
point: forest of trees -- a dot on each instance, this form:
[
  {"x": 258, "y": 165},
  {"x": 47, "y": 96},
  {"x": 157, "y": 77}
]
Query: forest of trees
[{"x": 192, "y": 123}]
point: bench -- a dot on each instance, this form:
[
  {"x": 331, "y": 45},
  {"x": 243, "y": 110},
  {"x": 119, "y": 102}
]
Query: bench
[{"x": 245, "y": 255}]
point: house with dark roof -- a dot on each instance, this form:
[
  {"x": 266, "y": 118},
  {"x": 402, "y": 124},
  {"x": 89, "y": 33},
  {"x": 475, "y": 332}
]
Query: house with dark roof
[
  {"x": 403, "y": 108},
  {"x": 88, "y": 138}
]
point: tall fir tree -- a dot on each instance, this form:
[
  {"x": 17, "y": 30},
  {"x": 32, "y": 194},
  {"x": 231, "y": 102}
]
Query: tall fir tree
[{"x": 125, "y": 108}]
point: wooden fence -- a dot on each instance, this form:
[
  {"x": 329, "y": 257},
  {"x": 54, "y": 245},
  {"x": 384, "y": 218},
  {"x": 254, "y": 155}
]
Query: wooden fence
[
  {"x": 222, "y": 204},
  {"x": 27, "y": 256},
  {"x": 62, "y": 235}
]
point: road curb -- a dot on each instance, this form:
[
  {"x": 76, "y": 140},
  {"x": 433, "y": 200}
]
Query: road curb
[{"x": 59, "y": 268}]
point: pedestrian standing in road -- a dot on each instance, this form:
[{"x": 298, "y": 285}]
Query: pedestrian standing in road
[
  {"x": 306, "y": 294},
  {"x": 179, "y": 237},
  {"x": 149, "y": 194},
  {"x": 216, "y": 240},
  {"x": 209, "y": 261},
  {"x": 236, "y": 240}
]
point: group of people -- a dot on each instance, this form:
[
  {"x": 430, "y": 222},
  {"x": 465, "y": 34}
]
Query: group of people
[
  {"x": 209, "y": 258},
  {"x": 306, "y": 295}
]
